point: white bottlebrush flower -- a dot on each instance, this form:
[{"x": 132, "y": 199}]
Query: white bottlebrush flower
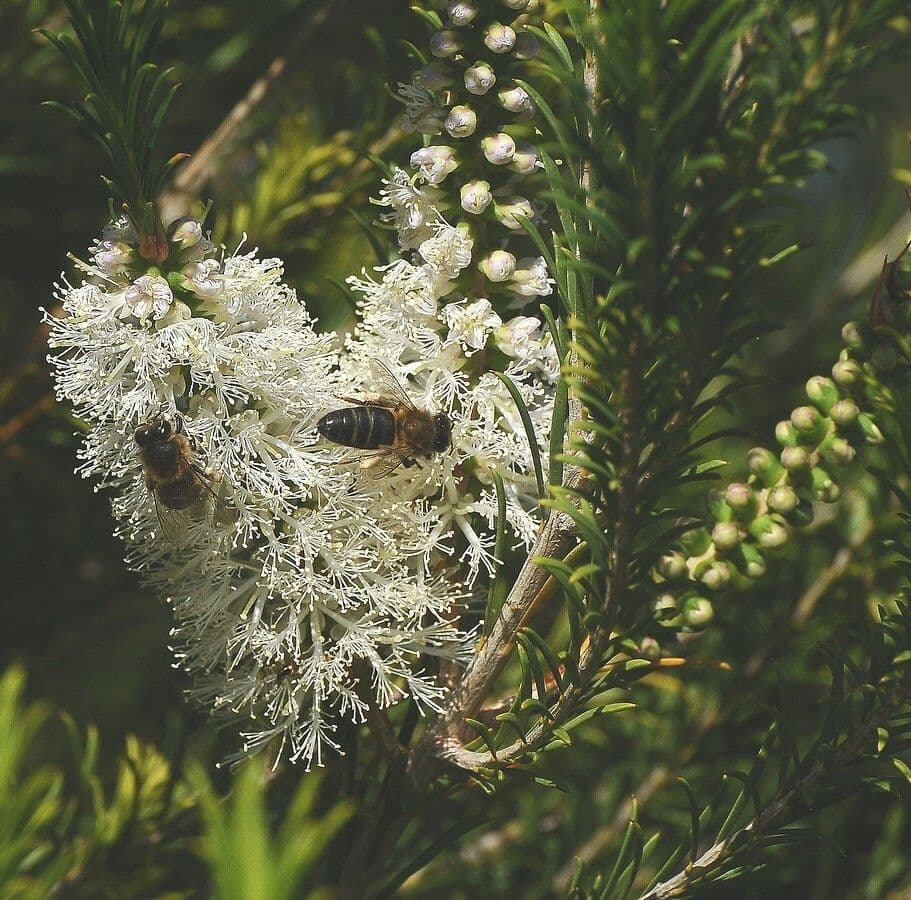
[
  {"x": 300, "y": 576},
  {"x": 470, "y": 324},
  {"x": 434, "y": 163},
  {"x": 414, "y": 209},
  {"x": 149, "y": 296},
  {"x": 531, "y": 278}
]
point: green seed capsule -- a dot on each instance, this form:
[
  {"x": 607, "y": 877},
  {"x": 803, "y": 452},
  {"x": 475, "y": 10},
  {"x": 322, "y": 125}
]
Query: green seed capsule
[{"x": 822, "y": 393}]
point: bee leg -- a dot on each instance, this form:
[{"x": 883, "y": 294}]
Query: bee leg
[{"x": 409, "y": 461}]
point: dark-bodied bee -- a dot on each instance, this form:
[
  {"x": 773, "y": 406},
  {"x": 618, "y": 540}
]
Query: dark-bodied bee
[
  {"x": 388, "y": 423},
  {"x": 174, "y": 480}
]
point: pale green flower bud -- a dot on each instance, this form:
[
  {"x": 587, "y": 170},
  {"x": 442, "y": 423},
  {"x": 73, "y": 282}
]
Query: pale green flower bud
[
  {"x": 527, "y": 46},
  {"x": 717, "y": 576},
  {"x": 461, "y": 121},
  {"x": 770, "y": 531},
  {"x": 667, "y": 612},
  {"x": 516, "y": 5},
  {"x": 445, "y": 44},
  {"x": 810, "y": 425},
  {"x": 823, "y": 486},
  {"x": 672, "y": 566},
  {"x": 113, "y": 256},
  {"x": 461, "y": 12},
  {"x": 435, "y": 163},
  {"x": 725, "y": 535},
  {"x": 765, "y": 466},
  {"x": 499, "y": 38},
  {"x": 185, "y": 232},
  {"x": 696, "y": 541},
  {"x": 508, "y": 212},
  {"x": 786, "y": 434},
  {"x": 844, "y": 413},
  {"x": 515, "y": 99},
  {"x": 750, "y": 561},
  {"x": 498, "y": 266},
  {"x": 822, "y": 393},
  {"x": 795, "y": 459},
  {"x": 498, "y": 149},
  {"x": 525, "y": 159},
  {"x": 697, "y": 612},
  {"x": 475, "y": 196},
  {"x": 782, "y": 499},
  {"x": 650, "y": 648},
  {"x": 870, "y": 429},
  {"x": 852, "y": 335},
  {"x": 479, "y": 79},
  {"x": 846, "y": 372},
  {"x": 741, "y": 500}
]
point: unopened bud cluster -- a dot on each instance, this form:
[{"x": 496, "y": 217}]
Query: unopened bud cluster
[
  {"x": 479, "y": 161},
  {"x": 747, "y": 520}
]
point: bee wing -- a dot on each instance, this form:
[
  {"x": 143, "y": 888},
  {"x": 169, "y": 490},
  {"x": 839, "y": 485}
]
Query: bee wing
[
  {"x": 390, "y": 384},
  {"x": 383, "y": 462},
  {"x": 217, "y": 507},
  {"x": 172, "y": 522}
]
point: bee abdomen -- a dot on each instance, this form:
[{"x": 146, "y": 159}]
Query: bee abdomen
[
  {"x": 363, "y": 427},
  {"x": 180, "y": 492}
]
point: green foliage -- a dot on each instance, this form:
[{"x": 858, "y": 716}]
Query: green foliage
[
  {"x": 245, "y": 858},
  {"x": 127, "y": 100}
]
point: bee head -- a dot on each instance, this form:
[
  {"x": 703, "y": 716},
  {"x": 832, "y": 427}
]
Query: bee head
[
  {"x": 157, "y": 429},
  {"x": 442, "y": 436}
]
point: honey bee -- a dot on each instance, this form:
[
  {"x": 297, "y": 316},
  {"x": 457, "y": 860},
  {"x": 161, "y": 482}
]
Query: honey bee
[
  {"x": 177, "y": 484},
  {"x": 390, "y": 424}
]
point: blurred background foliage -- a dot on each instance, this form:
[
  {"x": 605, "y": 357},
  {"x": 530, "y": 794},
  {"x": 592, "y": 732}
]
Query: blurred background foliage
[{"x": 295, "y": 173}]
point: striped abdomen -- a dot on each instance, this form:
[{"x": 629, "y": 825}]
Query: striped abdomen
[{"x": 363, "y": 427}]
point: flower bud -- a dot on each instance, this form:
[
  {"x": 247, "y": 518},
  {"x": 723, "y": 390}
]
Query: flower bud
[
  {"x": 650, "y": 648},
  {"x": 823, "y": 486},
  {"x": 822, "y": 393},
  {"x": 434, "y": 163},
  {"x": 838, "y": 451},
  {"x": 113, "y": 256},
  {"x": 517, "y": 5},
  {"x": 786, "y": 433},
  {"x": 515, "y": 99},
  {"x": 525, "y": 159},
  {"x": 185, "y": 232},
  {"x": 498, "y": 149},
  {"x": 531, "y": 278},
  {"x": 499, "y": 38},
  {"x": 846, "y": 372},
  {"x": 795, "y": 459},
  {"x": 844, "y": 412},
  {"x": 782, "y": 499},
  {"x": 479, "y": 79},
  {"x": 527, "y": 46},
  {"x": 697, "y": 612},
  {"x": 725, "y": 536},
  {"x": 871, "y": 431},
  {"x": 475, "y": 196},
  {"x": 498, "y": 266},
  {"x": 852, "y": 335},
  {"x": 667, "y": 612},
  {"x": 810, "y": 425},
  {"x": 461, "y": 121},
  {"x": 750, "y": 561},
  {"x": 672, "y": 566},
  {"x": 770, "y": 531},
  {"x": 718, "y": 507},
  {"x": 765, "y": 466},
  {"x": 445, "y": 43},
  {"x": 696, "y": 541},
  {"x": 717, "y": 576},
  {"x": 434, "y": 77},
  {"x": 461, "y": 12},
  {"x": 741, "y": 499},
  {"x": 508, "y": 212}
]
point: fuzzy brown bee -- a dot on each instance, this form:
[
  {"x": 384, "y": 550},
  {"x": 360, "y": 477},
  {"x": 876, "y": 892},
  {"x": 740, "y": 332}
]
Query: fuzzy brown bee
[
  {"x": 390, "y": 424},
  {"x": 173, "y": 478}
]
